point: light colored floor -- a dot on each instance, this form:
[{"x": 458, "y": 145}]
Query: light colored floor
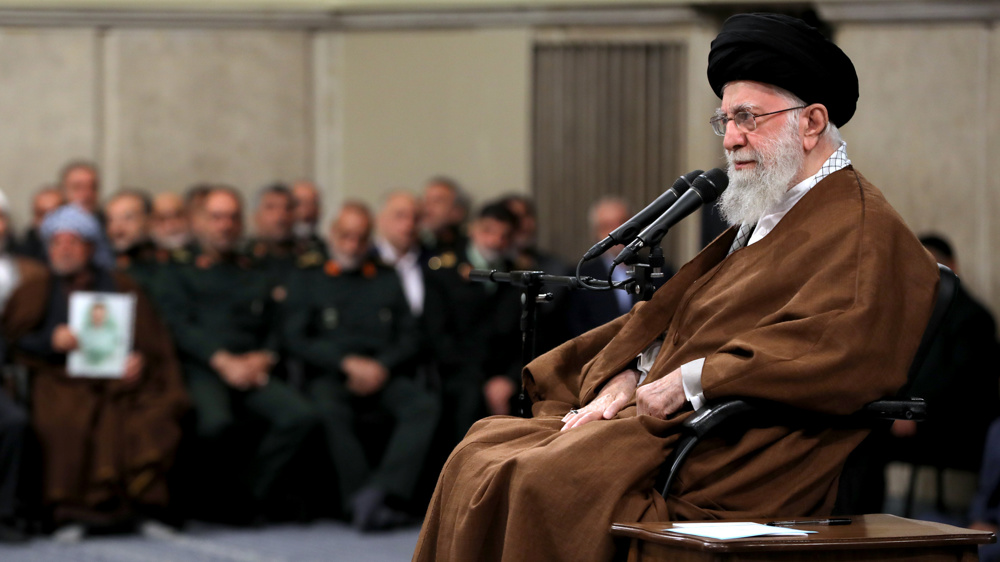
[{"x": 320, "y": 541}]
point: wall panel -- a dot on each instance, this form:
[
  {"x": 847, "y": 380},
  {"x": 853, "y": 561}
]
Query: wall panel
[
  {"x": 204, "y": 105},
  {"x": 417, "y": 104},
  {"x": 49, "y": 107},
  {"x": 921, "y": 134}
]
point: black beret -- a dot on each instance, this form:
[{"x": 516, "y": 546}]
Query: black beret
[{"x": 786, "y": 52}]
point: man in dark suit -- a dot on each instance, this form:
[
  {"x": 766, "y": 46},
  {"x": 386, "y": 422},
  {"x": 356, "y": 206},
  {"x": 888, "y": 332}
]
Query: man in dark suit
[
  {"x": 961, "y": 391},
  {"x": 398, "y": 245},
  {"x": 487, "y": 316}
]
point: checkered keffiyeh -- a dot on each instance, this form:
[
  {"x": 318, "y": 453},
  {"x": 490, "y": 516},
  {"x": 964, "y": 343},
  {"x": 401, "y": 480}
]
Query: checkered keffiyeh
[{"x": 836, "y": 161}]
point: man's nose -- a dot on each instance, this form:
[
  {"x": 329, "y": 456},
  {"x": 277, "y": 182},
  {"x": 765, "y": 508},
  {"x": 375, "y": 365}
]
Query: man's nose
[{"x": 734, "y": 139}]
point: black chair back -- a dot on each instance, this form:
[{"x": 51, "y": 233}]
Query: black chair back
[{"x": 722, "y": 413}]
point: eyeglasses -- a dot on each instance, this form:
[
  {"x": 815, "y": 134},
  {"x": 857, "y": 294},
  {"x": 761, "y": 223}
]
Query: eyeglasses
[{"x": 745, "y": 121}]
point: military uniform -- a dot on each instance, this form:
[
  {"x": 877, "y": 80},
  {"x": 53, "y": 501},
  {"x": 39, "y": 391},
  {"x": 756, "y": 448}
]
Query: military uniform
[
  {"x": 282, "y": 257},
  {"x": 143, "y": 263},
  {"x": 227, "y": 304},
  {"x": 332, "y": 313},
  {"x": 452, "y": 238},
  {"x": 486, "y": 317}
]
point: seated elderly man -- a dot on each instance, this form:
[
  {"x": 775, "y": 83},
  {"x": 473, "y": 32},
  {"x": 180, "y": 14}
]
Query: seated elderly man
[
  {"x": 350, "y": 324},
  {"x": 106, "y": 443},
  {"x": 222, "y": 311},
  {"x": 816, "y": 298}
]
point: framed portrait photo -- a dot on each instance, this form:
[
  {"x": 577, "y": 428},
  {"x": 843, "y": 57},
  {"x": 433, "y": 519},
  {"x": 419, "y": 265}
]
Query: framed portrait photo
[{"x": 103, "y": 324}]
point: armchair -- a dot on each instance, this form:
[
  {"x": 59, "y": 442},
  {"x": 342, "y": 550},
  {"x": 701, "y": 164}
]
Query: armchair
[{"x": 717, "y": 416}]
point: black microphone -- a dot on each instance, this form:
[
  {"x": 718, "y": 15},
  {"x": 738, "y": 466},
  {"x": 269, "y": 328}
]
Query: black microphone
[
  {"x": 705, "y": 189},
  {"x": 631, "y": 227}
]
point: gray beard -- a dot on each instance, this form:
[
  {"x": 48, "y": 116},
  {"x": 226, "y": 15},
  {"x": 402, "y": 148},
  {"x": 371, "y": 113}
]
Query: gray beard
[{"x": 753, "y": 192}]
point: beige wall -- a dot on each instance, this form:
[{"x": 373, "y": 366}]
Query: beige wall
[
  {"x": 420, "y": 103},
  {"x": 49, "y": 107},
  {"x": 196, "y": 105},
  {"x": 158, "y": 109},
  {"x": 926, "y": 134}
]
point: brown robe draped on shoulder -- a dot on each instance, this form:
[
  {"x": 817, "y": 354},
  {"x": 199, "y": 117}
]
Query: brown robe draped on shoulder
[
  {"x": 106, "y": 444},
  {"x": 824, "y": 313}
]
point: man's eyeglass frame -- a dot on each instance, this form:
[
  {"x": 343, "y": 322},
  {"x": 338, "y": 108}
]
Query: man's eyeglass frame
[{"x": 746, "y": 121}]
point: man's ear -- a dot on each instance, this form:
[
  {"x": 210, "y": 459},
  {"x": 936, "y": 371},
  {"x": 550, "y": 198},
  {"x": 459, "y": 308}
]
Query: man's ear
[{"x": 813, "y": 124}]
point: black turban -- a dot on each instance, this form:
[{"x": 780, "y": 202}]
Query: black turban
[{"x": 786, "y": 52}]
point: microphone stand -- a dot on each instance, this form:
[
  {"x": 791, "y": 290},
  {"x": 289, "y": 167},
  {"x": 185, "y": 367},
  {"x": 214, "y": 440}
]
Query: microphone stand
[{"x": 531, "y": 284}]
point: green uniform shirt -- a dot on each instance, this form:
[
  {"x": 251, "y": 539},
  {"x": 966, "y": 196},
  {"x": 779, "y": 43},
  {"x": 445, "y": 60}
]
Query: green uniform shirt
[
  {"x": 330, "y": 313},
  {"x": 212, "y": 305}
]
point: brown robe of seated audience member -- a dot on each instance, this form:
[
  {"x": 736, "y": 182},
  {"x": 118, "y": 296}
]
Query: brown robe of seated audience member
[{"x": 107, "y": 444}]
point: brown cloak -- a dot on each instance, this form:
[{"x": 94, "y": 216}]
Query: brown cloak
[
  {"x": 105, "y": 442},
  {"x": 825, "y": 313}
]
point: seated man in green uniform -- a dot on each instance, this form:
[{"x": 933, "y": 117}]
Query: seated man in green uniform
[
  {"x": 273, "y": 246},
  {"x": 348, "y": 321},
  {"x": 127, "y": 226},
  {"x": 221, "y": 312}
]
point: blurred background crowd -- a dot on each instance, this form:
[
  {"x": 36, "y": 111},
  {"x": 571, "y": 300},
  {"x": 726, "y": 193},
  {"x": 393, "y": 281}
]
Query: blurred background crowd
[{"x": 282, "y": 369}]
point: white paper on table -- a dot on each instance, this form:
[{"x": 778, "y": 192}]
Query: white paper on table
[{"x": 733, "y": 530}]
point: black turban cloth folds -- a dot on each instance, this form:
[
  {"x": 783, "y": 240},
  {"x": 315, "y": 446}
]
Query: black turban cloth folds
[{"x": 786, "y": 52}]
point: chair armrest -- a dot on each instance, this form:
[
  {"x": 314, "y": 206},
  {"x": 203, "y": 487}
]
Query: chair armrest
[
  {"x": 895, "y": 409},
  {"x": 699, "y": 424},
  {"x": 711, "y": 416}
]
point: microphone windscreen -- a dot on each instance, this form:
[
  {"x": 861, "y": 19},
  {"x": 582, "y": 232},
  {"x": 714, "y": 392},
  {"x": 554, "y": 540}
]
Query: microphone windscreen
[
  {"x": 711, "y": 184},
  {"x": 683, "y": 183}
]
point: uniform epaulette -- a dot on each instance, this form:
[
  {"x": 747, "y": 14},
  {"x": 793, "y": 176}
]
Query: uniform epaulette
[
  {"x": 181, "y": 255},
  {"x": 310, "y": 259},
  {"x": 446, "y": 260}
]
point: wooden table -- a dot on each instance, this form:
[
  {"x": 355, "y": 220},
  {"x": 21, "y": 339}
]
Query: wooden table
[{"x": 869, "y": 537}]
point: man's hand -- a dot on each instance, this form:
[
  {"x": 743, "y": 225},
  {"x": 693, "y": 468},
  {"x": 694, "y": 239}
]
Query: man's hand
[
  {"x": 260, "y": 363},
  {"x": 497, "y": 392},
  {"x": 365, "y": 376},
  {"x": 63, "y": 340},
  {"x": 612, "y": 398},
  {"x": 904, "y": 428},
  {"x": 662, "y": 397},
  {"x": 134, "y": 366},
  {"x": 235, "y": 370}
]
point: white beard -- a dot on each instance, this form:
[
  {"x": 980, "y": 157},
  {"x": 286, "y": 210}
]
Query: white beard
[{"x": 753, "y": 192}]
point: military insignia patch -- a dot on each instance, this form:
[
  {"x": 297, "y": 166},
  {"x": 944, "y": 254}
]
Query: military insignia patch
[
  {"x": 181, "y": 255},
  {"x": 311, "y": 258},
  {"x": 368, "y": 270},
  {"x": 332, "y": 268}
]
